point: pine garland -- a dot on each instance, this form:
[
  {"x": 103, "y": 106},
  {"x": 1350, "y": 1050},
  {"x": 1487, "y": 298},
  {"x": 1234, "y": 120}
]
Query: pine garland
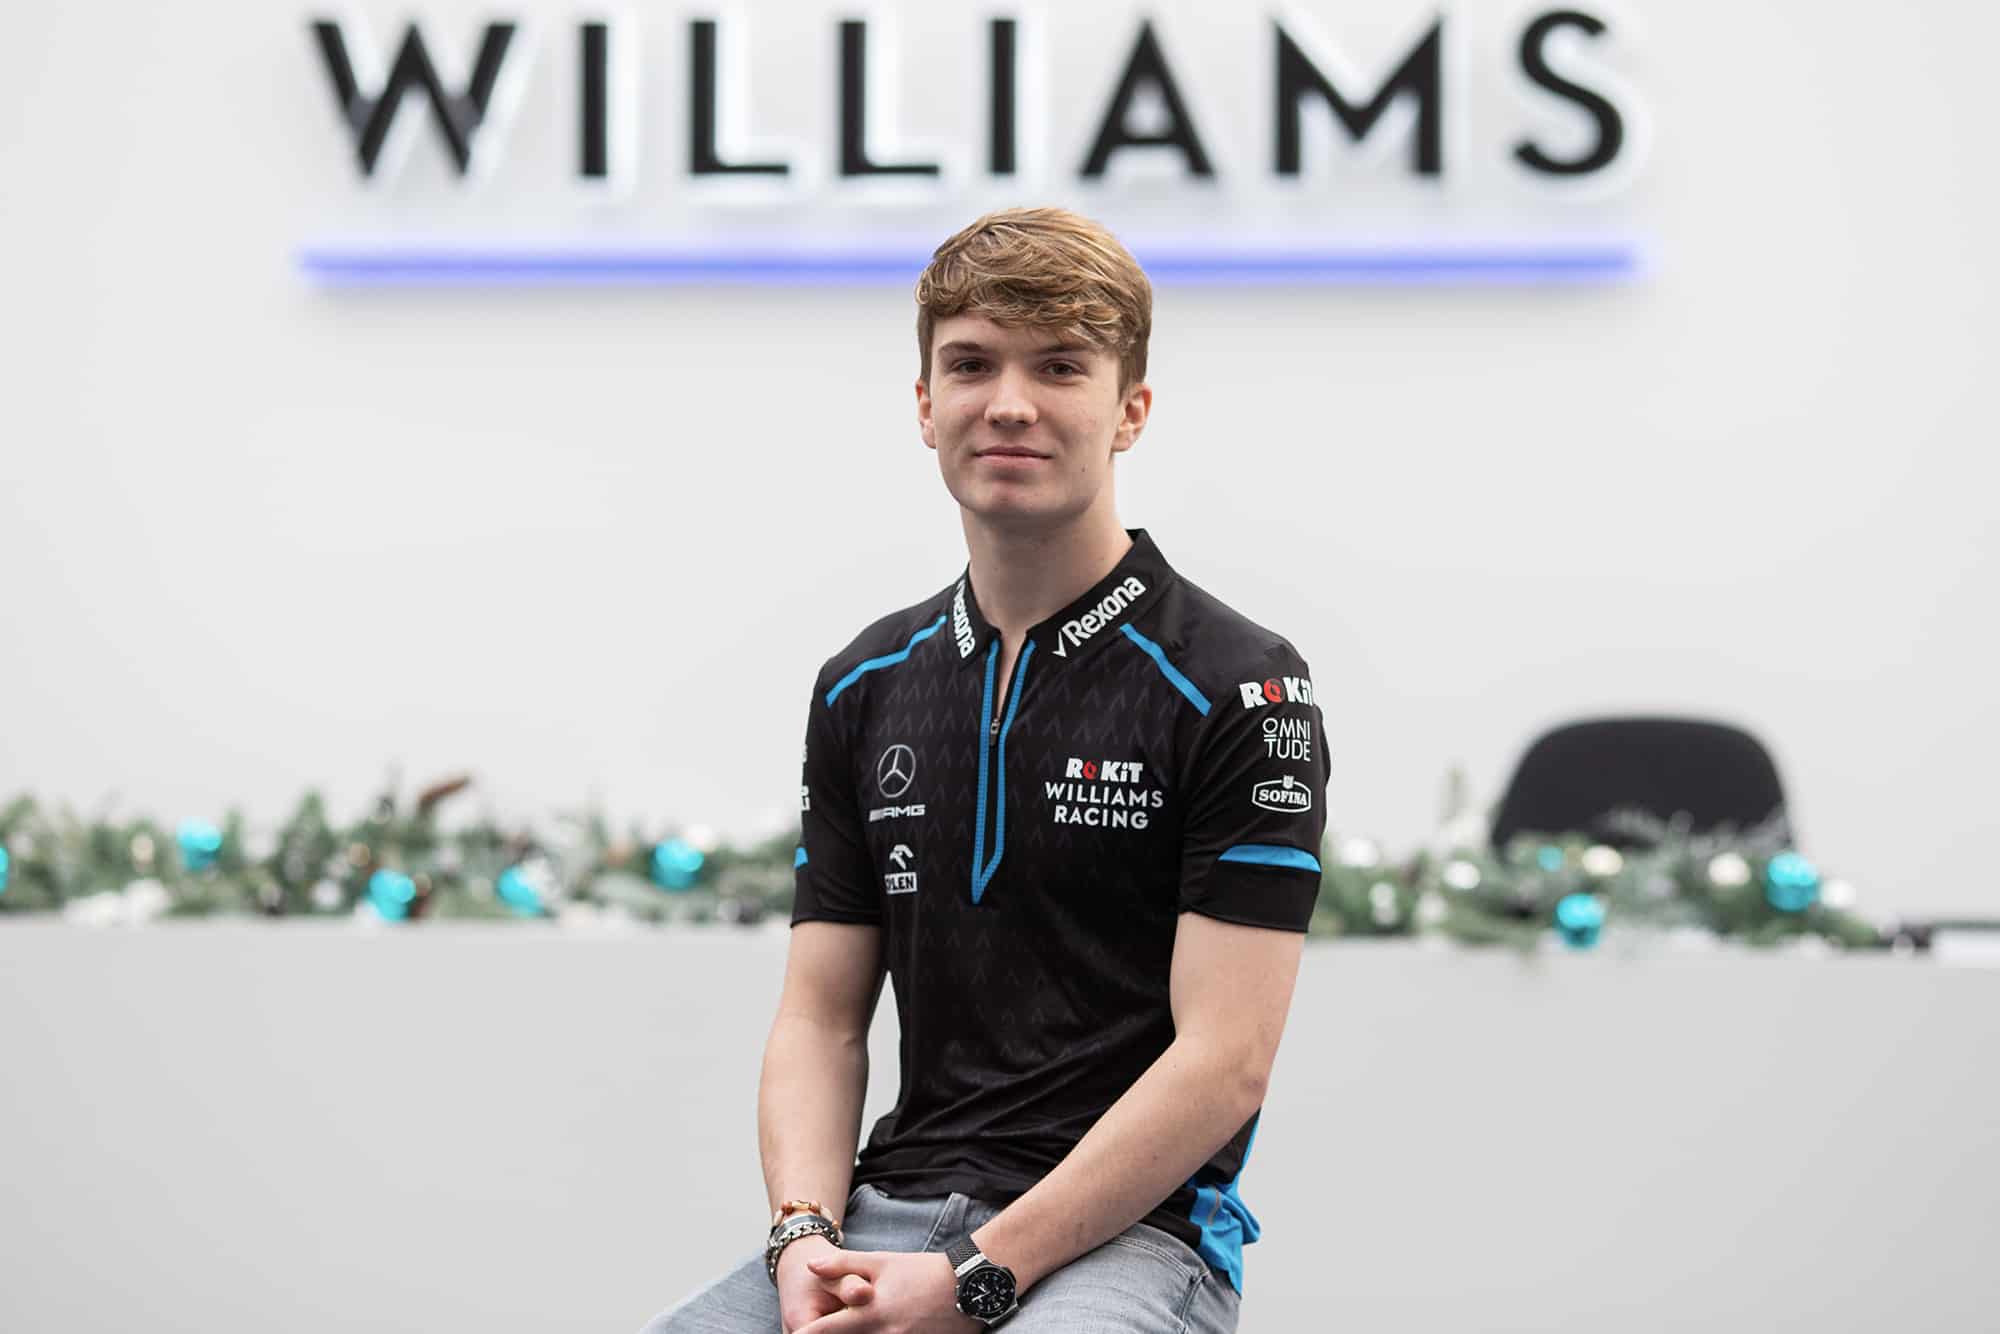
[{"x": 396, "y": 863}]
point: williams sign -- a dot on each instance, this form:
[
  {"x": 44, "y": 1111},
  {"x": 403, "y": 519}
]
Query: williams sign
[{"x": 1256, "y": 128}]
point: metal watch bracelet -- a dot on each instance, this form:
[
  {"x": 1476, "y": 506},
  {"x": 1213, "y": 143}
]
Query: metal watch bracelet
[{"x": 800, "y": 1225}]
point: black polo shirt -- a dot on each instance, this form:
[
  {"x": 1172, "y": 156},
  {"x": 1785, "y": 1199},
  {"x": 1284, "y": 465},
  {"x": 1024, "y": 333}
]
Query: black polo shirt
[{"x": 1027, "y": 846}]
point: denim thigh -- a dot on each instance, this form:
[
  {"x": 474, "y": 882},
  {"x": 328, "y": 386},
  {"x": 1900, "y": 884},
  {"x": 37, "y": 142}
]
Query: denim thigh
[
  {"x": 743, "y": 1301},
  {"x": 1142, "y": 1281}
]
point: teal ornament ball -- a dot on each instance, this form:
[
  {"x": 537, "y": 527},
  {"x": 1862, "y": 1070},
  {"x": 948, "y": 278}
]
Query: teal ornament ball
[
  {"x": 3, "y": 870},
  {"x": 1791, "y": 883},
  {"x": 676, "y": 863},
  {"x": 391, "y": 893},
  {"x": 1579, "y": 919},
  {"x": 518, "y": 892},
  {"x": 199, "y": 841},
  {"x": 1550, "y": 858}
]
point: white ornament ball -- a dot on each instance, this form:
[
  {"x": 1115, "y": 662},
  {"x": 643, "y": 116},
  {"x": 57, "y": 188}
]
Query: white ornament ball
[
  {"x": 1382, "y": 903},
  {"x": 1359, "y": 852},
  {"x": 146, "y": 899},
  {"x": 1602, "y": 861},
  {"x": 1729, "y": 871},
  {"x": 104, "y": 908},
  {"x": 1462, "y": 875}
]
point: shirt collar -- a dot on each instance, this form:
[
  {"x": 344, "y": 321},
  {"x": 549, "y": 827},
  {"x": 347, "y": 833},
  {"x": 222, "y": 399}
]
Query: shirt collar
[{"x": 1116, "y": 600}]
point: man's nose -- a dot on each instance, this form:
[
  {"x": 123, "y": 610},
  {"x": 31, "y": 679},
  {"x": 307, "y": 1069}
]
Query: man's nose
[{"x": 1011, "y": 403}]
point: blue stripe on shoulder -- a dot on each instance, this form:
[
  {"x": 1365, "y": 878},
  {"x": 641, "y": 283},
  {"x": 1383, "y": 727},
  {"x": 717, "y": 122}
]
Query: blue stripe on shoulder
[
  {"x": 886, "y": 660},
  {"x": 1271, "y": 854},
  {"x": 798, "y": 859},
  {"x": 1167, "y": 669}
]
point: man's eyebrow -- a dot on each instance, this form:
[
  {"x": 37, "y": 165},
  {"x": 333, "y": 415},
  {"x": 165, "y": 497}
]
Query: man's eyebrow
[{"x": 960, "y": 347}]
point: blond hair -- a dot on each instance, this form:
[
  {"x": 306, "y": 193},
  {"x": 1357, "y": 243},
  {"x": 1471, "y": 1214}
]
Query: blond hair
[{"x": 1041, "y": 268}]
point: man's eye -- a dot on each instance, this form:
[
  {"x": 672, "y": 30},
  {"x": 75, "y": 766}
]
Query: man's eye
[
  {"x": 1066, "y": 367},
  {"x": 964, "y": 364}
]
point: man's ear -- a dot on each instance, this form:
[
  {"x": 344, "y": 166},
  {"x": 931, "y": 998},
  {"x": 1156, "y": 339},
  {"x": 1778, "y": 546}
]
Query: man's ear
[
  {"x": 1137, "y": 407},
  {"x": 925, "y": 426}
]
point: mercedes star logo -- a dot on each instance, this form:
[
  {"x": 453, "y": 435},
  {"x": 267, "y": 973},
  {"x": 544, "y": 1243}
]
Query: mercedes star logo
[{"x": 895, "y": 771}]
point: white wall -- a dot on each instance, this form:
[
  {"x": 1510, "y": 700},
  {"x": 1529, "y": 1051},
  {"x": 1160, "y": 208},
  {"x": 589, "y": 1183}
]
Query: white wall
[
  {"x": 256, "y": 536},
  {"x": 240, "y": 1127}
]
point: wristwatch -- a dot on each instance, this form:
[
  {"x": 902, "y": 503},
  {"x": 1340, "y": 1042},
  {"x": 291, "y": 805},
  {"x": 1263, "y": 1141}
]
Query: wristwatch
[{"x": 986, "y": 1291}]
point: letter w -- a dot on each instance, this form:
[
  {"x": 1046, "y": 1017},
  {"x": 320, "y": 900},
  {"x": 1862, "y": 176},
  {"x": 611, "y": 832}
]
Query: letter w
[{"x": 458, "y": 116}]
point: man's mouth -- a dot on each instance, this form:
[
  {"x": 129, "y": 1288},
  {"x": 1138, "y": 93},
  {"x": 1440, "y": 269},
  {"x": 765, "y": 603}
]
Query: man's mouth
[{"x": 1009, "y": 452}]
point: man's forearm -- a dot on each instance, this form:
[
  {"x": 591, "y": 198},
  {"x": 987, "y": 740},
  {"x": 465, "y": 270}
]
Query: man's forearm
[
  {"x": 809, "y": 1110},
  {"x": 1171, "y": 1121}
]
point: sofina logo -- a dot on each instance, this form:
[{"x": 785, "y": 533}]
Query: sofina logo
[{"x": 1287, "y": 795}]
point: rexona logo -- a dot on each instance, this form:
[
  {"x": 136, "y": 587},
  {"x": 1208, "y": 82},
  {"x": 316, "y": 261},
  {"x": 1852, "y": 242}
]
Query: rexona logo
[
  {"x": 961, "y": 624},
  {"x": 902, "y": 880},
  {"x": 1075, "y": 632},
  {"x": 1286, "y": 794},
  {"x": 1277, "y": 690}
]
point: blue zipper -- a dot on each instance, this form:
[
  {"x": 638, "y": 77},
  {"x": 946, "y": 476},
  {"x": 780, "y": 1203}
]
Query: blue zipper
[{"x": 982, "y": 869}]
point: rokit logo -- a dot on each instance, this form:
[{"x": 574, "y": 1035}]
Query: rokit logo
[
  {"x": 1103, "y": 794},
  {"x": 1075, "y": 632},
  {"x": 1288, "y": 795},
  {"x": 1277, "y": 690},
  {"x": 961, "y": 624},
  {"x": 902, "y": 880},
  {"x": 1111, "y": 771}
]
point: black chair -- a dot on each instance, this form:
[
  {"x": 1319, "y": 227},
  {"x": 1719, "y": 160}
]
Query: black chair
[{"x": 1577, "y": 775}]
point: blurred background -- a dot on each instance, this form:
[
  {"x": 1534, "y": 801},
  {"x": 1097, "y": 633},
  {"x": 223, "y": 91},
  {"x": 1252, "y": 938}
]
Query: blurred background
[{"x": 1617, "y": 360}]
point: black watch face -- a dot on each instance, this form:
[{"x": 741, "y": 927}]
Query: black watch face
[{"x": 986, "y": 1292}]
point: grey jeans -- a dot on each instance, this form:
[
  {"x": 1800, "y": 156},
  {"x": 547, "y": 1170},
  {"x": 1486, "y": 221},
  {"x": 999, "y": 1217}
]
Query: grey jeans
[{"x": 1142, "y": 1281}]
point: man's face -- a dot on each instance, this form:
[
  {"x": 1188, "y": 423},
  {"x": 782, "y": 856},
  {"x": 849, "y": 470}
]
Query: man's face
[{"x": 1025, "y": 421}]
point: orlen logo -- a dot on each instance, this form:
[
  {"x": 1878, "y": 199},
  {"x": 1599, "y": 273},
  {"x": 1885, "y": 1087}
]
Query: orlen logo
[
  {"x": 1277, "y": 690},
  {"x": 961, "y": 624},
  {"x": 1104, "y": 613},
  {"x": 1286, "y": 794}
]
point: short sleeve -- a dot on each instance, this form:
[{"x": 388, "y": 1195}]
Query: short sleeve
[
  {"x": 1257, "y": 799},
  {"x": 831, "y": 875}
]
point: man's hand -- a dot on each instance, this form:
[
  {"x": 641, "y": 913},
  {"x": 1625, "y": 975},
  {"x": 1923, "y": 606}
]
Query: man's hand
[
  {"x": 803, "y": 1296},
  {"x": 912, "y": 1293}
]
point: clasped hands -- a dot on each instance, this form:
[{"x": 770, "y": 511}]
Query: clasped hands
[{"x": 825, "y": 1290}]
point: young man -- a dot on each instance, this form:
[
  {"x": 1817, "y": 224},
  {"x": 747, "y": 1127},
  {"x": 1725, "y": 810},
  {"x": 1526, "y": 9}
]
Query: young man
[{"x": 1071, "y": 804}]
